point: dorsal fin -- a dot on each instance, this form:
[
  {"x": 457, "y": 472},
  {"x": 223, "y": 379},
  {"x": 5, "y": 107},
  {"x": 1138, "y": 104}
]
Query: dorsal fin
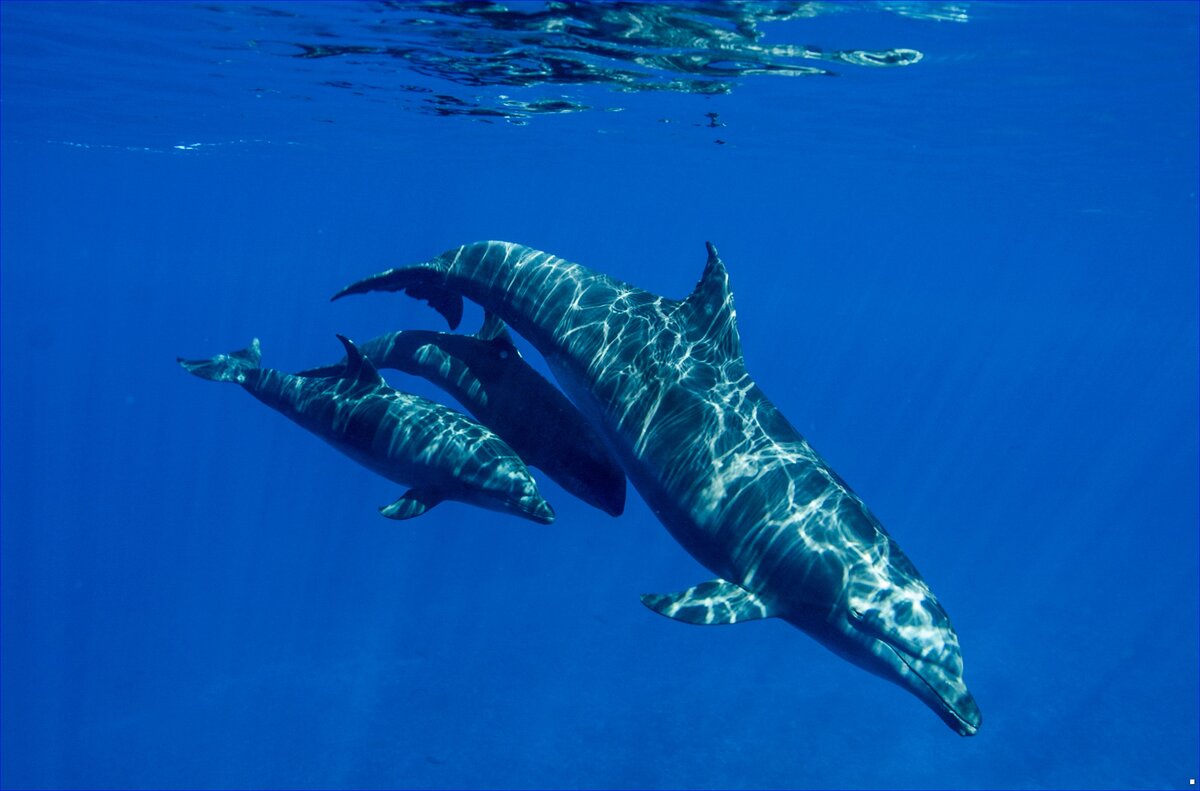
[
  {"x": 708, "y": 310},
  {"x": 359, "y": 368},
  {"x": 493, "y": 328}
]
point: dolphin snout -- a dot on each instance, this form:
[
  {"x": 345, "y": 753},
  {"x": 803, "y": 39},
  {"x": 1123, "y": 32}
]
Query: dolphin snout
[
  {"x": 968, "y": 715},
  {"x": 945, "y": 692},
  {"x": 537, "y": 509}
]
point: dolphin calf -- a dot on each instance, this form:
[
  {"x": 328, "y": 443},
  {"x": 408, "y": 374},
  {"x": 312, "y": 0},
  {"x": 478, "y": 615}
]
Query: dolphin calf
[
  {"x": 441, "y": 454},
  {"x": 487, "y": 375},
  {"x": 721, "y": 467}
]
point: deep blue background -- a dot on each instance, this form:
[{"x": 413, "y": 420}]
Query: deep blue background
[{"x": 971, "y": 282}]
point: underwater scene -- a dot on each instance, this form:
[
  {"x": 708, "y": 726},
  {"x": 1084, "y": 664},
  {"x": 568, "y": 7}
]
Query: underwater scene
[{"x": 637, "y": 395}]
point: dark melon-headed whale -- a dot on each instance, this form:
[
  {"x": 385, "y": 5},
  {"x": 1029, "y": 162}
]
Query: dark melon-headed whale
[
  {"x": 486, "y": 373},
  {"x": 441, "y": 454},
  {"x": 721, "y": 467}
]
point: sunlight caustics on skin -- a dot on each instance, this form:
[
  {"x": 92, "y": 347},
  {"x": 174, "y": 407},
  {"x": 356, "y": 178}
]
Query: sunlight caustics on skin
[
  {"x": 720, "y": 466},
  {"x": 442, "y": 454},
  {"x": 487, "y": 375}
]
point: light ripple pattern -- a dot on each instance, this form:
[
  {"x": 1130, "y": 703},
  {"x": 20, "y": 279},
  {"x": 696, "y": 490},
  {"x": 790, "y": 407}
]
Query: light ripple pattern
[
  {"x": 700, "y": 48},
  {"x": 736, "y": 485}
]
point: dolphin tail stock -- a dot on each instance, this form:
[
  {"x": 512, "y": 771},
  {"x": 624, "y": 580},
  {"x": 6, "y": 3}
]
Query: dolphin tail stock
[
  {"x": 420, "y": 281},
  {"x": 231, "y": 367}
]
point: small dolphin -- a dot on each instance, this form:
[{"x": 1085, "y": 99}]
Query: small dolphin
[
  {"x": 487, "y": 375},
  {"x": 731, "y": 479},
  {"x": 440, "y": 453}
]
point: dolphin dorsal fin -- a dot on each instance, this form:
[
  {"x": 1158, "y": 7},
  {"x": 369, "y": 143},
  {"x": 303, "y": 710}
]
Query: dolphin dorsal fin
[
  {"x": 493, "y": 328},
  {"x": 358, "y": 367},
  {"x": 714, "y": 602},
  {"x": 708, "y": 310}
]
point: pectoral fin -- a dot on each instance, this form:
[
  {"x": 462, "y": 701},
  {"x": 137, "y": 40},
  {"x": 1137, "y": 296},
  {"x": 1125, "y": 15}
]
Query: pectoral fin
[
  {"x": 412, "y": 503},
  {"x": 712, "y": 602}
]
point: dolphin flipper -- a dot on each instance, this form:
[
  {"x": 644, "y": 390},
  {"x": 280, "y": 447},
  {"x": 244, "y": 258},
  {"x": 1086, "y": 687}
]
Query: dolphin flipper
[
  {"x": 411, "y": 504},
  {"x": 712, "y": 602}
]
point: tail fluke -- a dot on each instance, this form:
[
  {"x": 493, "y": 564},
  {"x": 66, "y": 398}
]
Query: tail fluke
[
  {"x": 230, "y": 367},
  {"x": 421, "y": 281}
]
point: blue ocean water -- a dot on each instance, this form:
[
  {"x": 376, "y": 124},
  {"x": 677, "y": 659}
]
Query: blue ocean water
[{"x": 965, "y": 266}]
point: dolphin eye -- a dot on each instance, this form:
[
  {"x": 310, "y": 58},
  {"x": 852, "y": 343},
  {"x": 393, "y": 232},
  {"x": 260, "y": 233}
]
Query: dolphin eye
[{"x": 504, "y": 354}]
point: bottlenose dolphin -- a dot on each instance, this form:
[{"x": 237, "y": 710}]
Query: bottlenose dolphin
[
  {"x": 486, "y": 373},
  {"x": 724, "y": 471},
  {"x": 440, "y": 453}
]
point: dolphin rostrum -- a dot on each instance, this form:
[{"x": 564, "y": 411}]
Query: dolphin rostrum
[
  {"x": 486, "y": 373},
  {"x": 721, "y": 467},
  {"x": 440, "y": 453}
]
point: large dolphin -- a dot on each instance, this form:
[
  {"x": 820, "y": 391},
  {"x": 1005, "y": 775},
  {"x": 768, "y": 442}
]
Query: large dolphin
[
  {"x": 486, "y": 373},
  {"x": 440, "y": 453},
  {"x": 725, "y": 472}
]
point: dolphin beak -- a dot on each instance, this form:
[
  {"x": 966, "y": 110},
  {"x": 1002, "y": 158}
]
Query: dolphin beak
[
  {"x": 944, "y": 691},
  {"x": 969, "y": 717},
  {"x": 537, "y": 509}
]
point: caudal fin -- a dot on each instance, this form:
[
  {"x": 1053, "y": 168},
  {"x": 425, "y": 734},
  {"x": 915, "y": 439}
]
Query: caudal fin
[
  {"x": 230, "y": 367},
  {"x": 420, "y": 281}
]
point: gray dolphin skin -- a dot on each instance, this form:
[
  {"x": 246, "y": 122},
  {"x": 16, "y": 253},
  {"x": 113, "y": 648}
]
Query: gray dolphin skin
[
  {"x": 729, "y": 477},
  {"x": 486, "y": 373},
  {"x": 440, "y": 453}
]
